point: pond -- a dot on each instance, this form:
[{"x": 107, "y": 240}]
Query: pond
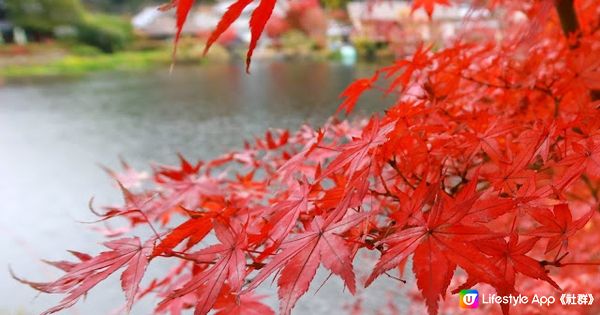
[{"x": 54, "y": 134}]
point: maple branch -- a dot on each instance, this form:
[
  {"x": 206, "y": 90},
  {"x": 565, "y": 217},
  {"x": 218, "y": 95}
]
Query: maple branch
[
  {"x": 590, "y": 186},
  {"x": 122, "y": 213},
  {"x": 568, "y": 16},
  {"x": 384, "y": 194},
  {"x": 557, "y": 262},
  {"x": 394, "y": 277},
  {"x": 591, "y": 263},
  {"x": 558, "y": 258},
  {"x": 570, "y": 26},
  {"x": 394, "y": 165},
  {"x": 507, "y": 85},
  {"x": 387, "y": 192},
  {"x": 184, "y": 256}
]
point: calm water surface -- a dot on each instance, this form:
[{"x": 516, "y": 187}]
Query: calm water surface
[{"x": 55, "y": 132}]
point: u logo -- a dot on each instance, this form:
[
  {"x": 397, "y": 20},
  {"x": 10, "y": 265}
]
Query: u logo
[{"x": 469, "y": 298}]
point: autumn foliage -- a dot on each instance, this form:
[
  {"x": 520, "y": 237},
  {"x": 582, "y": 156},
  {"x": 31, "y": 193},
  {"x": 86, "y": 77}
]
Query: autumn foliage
[{"x": 484, "y": 173}]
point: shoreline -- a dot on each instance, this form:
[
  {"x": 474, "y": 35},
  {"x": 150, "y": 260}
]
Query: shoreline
[{"x": 59, "y": 59}]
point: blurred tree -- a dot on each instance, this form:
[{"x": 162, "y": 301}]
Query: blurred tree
[
  {"x": 68, "y": 19},
  {"x": 42, "y": 17},
  {"x": 109, "y": 33},
  {"x": 3, "y": 11},
  {"x": 120, "y": 6},
  {"x": 334, "y": 4},
  {"x": 5, "y": 27}
]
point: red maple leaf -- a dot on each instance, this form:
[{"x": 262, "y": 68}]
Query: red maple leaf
[
  {"x": 586, "y": 65},
  {"x": 197, "y": 227},
  {"x": 233, "y": 13},
  {"x": 428, "y": 5},
  {"x": 230, "y": 267},
  {"x": 83, "y": 276},
  {"x": 487, "y": 141},
  {"x": 183, "y": 9},
  {"x": 285, "y": 213},
  {"x": 258, "y": 20},
  {"x": 511, "y": 258},
  {"x": 407, "y": 67},
  {"x": 439, "y": 242},
  {"x": 354, "y": 155},
  {"x": 301, "y": 255},
  {"x": 243, "y": 304},
  {"x": 353, "y": 92},
  {"x": 557, "y": 225},
  {"x": 585, "y": 156}
]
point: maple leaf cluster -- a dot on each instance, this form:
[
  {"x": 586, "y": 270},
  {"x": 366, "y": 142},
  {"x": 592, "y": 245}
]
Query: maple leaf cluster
[{"x": 484, "y": 173}]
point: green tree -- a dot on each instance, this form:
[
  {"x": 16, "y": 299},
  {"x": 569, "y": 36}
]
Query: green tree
[
  {"x": 120, "y": 6},
  {"x": 42, "y": 17},
  {"x": 107, "y": 32},
  {"x": 334, "y": 4}
]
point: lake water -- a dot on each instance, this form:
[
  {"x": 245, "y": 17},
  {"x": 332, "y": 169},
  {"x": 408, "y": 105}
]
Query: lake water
[{"x": 55, "y": 132}]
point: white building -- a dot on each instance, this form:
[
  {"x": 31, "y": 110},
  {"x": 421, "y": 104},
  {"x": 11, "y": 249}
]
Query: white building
[{"x": 389, "y": 21}]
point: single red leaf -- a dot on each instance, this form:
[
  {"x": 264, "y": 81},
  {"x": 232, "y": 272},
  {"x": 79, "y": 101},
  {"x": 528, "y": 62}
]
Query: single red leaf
[
  {"x": 511, "y": 257},
  {"x": 557, "y": 225},
  {"x": 586, "y": 156},
  {"x": 404, "y": 245},
  {"x": 233, "y": 13},
  {"x": 230, "y": 267},
  {"x": 258, "y": 20},
  {"x": 433, "y": 271},
  {"x": 301, "y": 256},
  {"x": 407, "y": 67},
  {"x": 428, "y": 5},
  {"x": 286, "y": 212},
  {"x": 183, "y": 9},
  {"x": 87, "y": 274},
  {"x": 243, "y": 304},
  {"x": 355, "y": 155},
  {"x": 199, "y": 227},
  {"x": 132, "y": 276},
  {"x": 440, "y": 242},
  {"x": 353, "y": 92}
]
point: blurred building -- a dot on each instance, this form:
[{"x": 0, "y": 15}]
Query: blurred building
[
  {"x": 394, "y": 23},
  {"x": 154, "y": 23}
]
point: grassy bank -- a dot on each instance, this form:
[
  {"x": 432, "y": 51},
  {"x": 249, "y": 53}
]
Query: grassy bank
[
  {"x": 78, "y": 60},
  {"x": 78, "y": 65}
]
